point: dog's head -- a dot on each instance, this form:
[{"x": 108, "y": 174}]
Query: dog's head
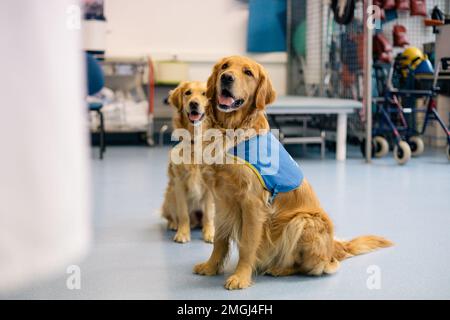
[
  {"x": 190, "y": 100},
  {"x": 238, "y": 86}
]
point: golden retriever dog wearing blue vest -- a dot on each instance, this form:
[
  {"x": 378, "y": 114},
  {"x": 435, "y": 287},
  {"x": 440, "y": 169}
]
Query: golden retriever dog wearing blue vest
[{"x": 277, "y": 234}]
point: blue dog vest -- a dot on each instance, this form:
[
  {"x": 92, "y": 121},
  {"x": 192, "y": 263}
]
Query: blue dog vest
[{"x": 269, "y": 160}]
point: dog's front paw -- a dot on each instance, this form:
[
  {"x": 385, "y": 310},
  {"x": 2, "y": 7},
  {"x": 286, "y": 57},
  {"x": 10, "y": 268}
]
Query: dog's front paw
[
  {"x": 182, "y": 237},
  {"x": 208, "y": 234},
  {"x": 237, "y": 282},
  {"x": 206, "y": 269}
]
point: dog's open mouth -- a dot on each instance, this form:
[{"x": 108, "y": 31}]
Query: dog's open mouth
[
  {"x": 195, "y": 117},
  {"x": 227, "y": 102}
]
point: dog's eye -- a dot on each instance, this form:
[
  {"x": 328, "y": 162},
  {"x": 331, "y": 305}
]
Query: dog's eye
[
  {"x": 203, "y": 93},
  {"x": 224, "y": 66},
  {"x": 248, "y": 72},
  {"x": 188, "y": 93}
]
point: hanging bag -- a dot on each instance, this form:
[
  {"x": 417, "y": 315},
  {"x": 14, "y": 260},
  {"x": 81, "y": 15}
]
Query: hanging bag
[
  {"x": 402, "y": 5},
  {"x": 382, "y": 49},
  {"x": 399, "y": 36},
  {"x": 389, "y": 4},
  {"x": 418, "y": 8}
]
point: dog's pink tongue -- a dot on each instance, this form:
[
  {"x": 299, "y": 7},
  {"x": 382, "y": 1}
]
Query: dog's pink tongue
[
  {"x": 227, "y": 101},
  {"x": 195, "y": 117}
]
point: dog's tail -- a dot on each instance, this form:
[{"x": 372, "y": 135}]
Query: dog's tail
[{"x": 359, "y": 245}]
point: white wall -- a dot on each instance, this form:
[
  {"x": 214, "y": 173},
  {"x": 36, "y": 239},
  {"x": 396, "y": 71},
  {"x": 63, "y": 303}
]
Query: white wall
[
  {"x": 196, "y": 31},
  {"x": 176, "y": 26}
]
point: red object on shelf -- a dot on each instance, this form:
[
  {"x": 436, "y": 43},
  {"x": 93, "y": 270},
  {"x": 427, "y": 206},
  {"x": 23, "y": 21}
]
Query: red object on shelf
[
  {"x": 399, "y": 36},
  {"x": 433, "y": 22}
]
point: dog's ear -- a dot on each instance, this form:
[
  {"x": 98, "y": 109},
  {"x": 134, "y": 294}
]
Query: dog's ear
[
  {"x": 211, "y": 91},
  {"x": 265, "y": 93},
  {"x": 176, "y": 96},
  {"x": 211, "y": 85}
]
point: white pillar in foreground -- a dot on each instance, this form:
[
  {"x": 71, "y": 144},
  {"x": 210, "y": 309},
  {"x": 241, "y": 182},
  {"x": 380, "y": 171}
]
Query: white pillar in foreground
[{"x": 44, "y": 205}]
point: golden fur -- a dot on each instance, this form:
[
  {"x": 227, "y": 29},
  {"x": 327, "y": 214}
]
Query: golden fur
[
  {"x": 187, "y": 202},
  {"x": 293, "y": 234}
]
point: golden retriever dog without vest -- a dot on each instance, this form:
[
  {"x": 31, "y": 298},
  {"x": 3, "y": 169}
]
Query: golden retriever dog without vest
[
  {"x": 187, "y": 202},
  {"x": 292, "y": 234}
]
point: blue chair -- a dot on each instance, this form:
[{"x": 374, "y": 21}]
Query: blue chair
[{"x": 96, "y": 81}]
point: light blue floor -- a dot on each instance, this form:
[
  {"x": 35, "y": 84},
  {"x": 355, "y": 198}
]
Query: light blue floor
[{"x": 133, "y": 256}]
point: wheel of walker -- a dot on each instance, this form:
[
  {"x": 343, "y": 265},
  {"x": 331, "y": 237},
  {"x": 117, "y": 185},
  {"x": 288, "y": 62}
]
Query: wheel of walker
[
  {"x": 417, "y": 146},
  {"x": 402, "y": 152},
  {"x": 381, "y": 146}
]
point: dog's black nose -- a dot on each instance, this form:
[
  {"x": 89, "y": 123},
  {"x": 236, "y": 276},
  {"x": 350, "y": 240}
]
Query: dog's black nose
[
  {"x": 226, "y": 78},
  {"x": 193, "y": 105}
]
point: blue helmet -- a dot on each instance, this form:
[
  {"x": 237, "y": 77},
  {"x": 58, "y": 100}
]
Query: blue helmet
[{"x": 424, "y": 67}]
